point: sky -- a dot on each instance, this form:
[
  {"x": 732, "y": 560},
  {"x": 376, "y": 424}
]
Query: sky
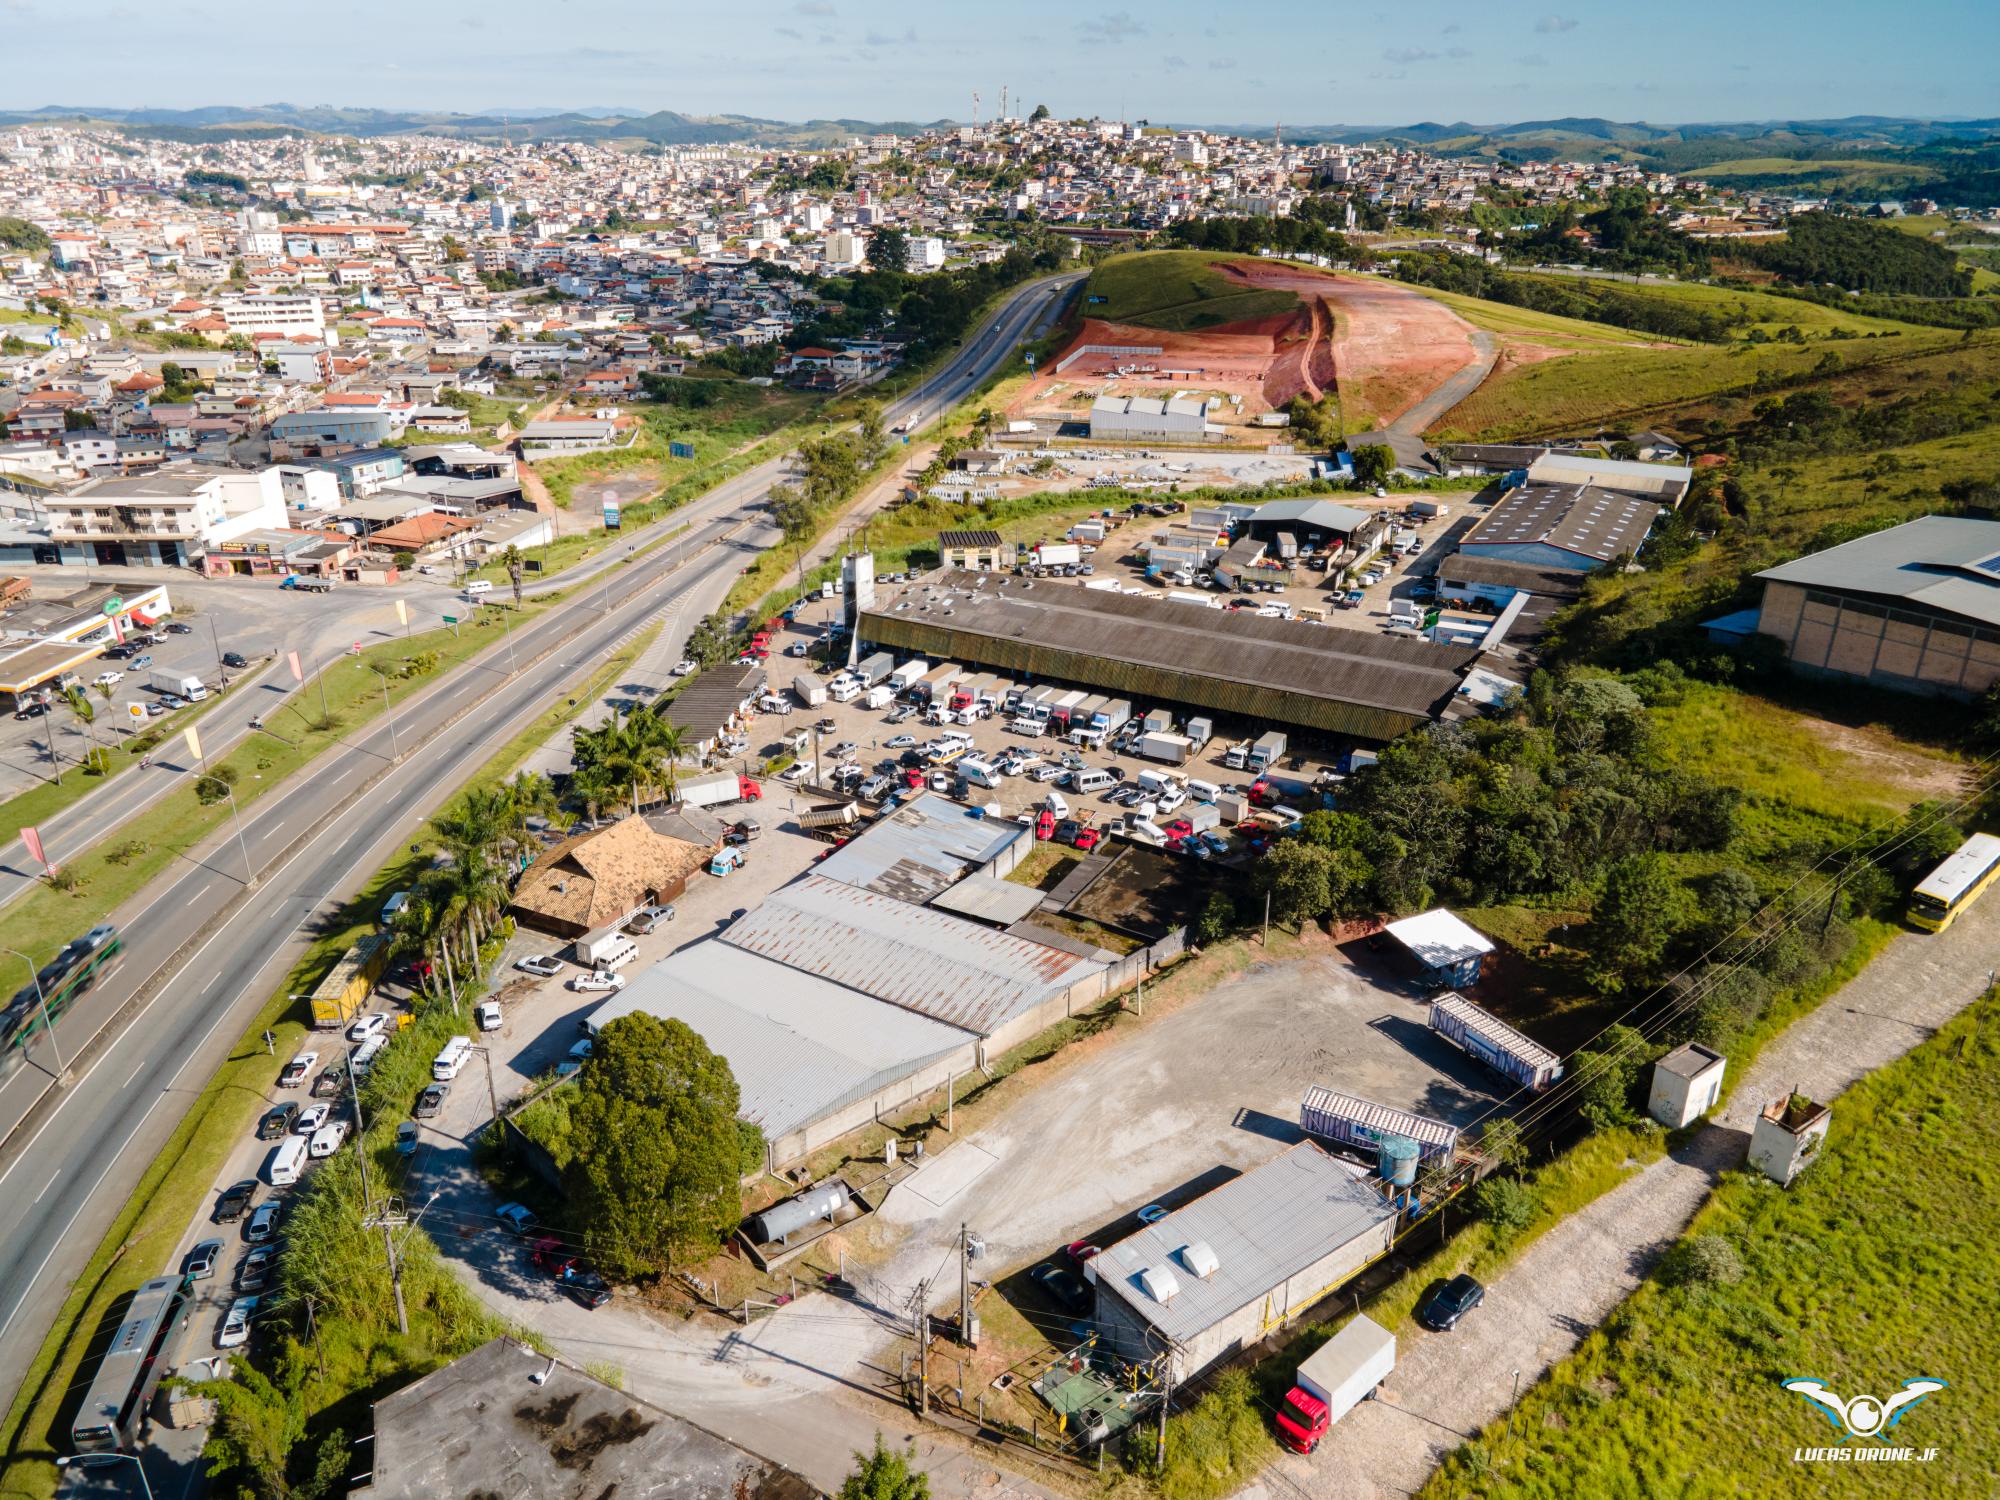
[{"x": 1375, "y": 62}]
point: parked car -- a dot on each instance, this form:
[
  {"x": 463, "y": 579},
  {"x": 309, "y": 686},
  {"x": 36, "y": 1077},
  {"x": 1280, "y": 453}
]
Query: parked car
[
  {"x": 1062, "y": 1287},
  {"x": 235, "y": 660},
  {"x": 544, "y": 964},
  {"x": 371, "y": 1025},
  {"x": 406, "y": 1138},
  {"x": 277, "y": 1122},
  {"x": 253, "y": 1272},
  {"x": 1080, "y": 1251},
  {"x": 172, "y": 701},
  {"x": 200, "y": 1262},
  {"x": 487, "y": 1014},
  {"x": 648, "y": 918},
  {"x": 1443, "y": 1308},
  {"x": 175, "y": 627},
  {"x": 262, "y": 1225},
  {"x": 587, "y": 1287},
  {"x": 900, "y": 742},
  {"x": 309, "y": 1119},
  {"x": 234, "y": 1331},
  {"x": 107, "y": 679},
  {"x": 598, "y": 979},
  {"x": 430, "y": 1101},
  {"x": 516, "y": 1218},
  {"x": 331, "y": 1083},
  {"x": 1087, "y": 839},
  {"x": 235, "y": 1202},
  {"x": 142, "y": 660},
  {"x": 294, "y": 1072},
  {"x": 686, "y": 665}
]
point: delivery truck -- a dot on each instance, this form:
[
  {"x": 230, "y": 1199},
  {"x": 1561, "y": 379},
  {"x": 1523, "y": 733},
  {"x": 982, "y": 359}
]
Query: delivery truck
[
  {"x": 714, "y": 788},
  {"x": 875, "y": 669},
  {"x": 1267, "y": 752},
  {"x": 180, "y": 684},
  {"x": 1058, "y": 555},
  {"x": 1174, "y": 749},
  {"x": 810, "y": 690},
  {"x": 879, "y": 696},
  {"x": 909, "y": 674},
  {"x": 337, "y": 999},
  {"x": 1339, "y": 1375}
]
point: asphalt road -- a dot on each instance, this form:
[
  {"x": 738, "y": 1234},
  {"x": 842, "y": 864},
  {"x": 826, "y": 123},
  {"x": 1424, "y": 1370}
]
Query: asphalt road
[{"x": 208, "y": 951}]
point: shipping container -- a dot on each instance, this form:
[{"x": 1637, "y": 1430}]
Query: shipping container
[
  {"x": 811, "y": 690},
  {"x": 1494, "y": 1042},
  {"x": 874, "y": 669},
  {"x": 337, "y": 999},
  {"x": 1361, "y": 1124}
]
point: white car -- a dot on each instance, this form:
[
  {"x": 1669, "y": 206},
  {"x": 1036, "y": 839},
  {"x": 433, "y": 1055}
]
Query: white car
[
  {"x": 686, "y": 665},
  {"x": 487, "y": 1014},
  {"x": 235, "y": 1329},
  {"x": 311, "y": 1118},
  {"x": 797, "y": 774},
  {"x": 1171, "y": 798},
  {"x": 1046, "y": 772},
  {"x": 368, "y": 1026},
  {"x": 328, "y": 1139},
  {"x": 543, "y": 964},
  {"x": 107, "y": 679},
  {"x": 900, "y": 742},
  {"x": 601, "y": 979}
]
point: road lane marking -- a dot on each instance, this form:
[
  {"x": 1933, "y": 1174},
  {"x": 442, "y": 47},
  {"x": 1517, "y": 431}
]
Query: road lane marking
[
  {"x": 135, "y": 1073},
  {"x": 49, "y": 1184}
]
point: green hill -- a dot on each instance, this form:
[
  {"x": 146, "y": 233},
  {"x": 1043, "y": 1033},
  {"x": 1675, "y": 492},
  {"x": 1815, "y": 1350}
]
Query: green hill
[{"x": 1177, "y": 291}]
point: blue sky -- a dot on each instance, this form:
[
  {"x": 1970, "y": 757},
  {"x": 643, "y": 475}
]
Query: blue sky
[{"x": 1367, "y": 63}]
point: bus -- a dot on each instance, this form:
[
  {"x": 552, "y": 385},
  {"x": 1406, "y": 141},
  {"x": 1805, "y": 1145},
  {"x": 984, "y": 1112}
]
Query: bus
[
  {"x": 72, "y": 972},
  {"x": 1955, "y": 884},
  {"x": 130, "y": 1371}
]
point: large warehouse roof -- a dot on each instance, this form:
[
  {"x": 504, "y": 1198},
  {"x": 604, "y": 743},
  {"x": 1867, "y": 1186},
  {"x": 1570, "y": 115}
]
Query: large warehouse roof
[
  {"x": 1328, "y": 515},
  {"x": 1282, "y": 671},
  {"x": 1594, "y": 523},
  {"x": 1261, "y": 1228},
  {"x": 1944, "y": 563},
  {"x": 921, "y": 848},
  {"x": 800, "y": 1046},
  {"x": 926, "y": 961}
]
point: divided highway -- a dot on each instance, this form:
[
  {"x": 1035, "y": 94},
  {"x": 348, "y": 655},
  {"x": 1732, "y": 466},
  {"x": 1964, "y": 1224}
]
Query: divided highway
[{"x": 203, "y": 952}]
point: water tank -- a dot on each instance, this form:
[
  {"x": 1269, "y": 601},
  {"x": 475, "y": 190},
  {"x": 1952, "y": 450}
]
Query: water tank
[
  {"x": 794, "y": 1214},
  {"x": 1398, "y": 1156}
]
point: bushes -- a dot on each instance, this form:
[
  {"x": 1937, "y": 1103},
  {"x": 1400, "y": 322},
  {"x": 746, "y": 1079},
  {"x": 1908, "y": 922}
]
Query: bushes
[
  {"x": 1507, "y": 1203},
  {"x": 213, "y": 785},
  {"x": 1704, "y": 1260},
  {"x": 1214, "y": 1447}
]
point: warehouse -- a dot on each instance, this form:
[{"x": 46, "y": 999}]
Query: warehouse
[
  {"x": 1576, "y": 526},
  {"x": 1313, "y": 525},
  {"x": 1172, "y": 418},
  {"x": 926, "y": 846},
  {"x": 1283, "y": 672},
  {"x": 1241, "y": 1261},
  {"x": 1915, "y": 608}
]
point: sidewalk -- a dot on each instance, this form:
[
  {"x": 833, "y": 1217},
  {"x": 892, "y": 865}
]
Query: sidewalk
[{"x": 1446, "y": 1387}]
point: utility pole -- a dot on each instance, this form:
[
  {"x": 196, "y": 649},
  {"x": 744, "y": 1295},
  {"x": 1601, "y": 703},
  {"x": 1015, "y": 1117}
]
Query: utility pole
[
  {"x": 1513, "y": 1402},
  {"x": 312, "y": 1322},
  {"x": 385, "y": 1221},
  {"x": 922, "y": 1321},
  {"x": 1267, "y": 919},
  {"x": 1166, "y": 1399},
  {"x": 964, "y": 1287}
]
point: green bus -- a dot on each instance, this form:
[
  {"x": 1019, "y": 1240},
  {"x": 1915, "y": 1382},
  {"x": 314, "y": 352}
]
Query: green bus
[{"x": 72, "y": 972}]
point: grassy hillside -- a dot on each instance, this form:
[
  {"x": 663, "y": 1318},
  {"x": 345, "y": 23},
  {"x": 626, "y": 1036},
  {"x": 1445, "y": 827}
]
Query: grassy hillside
[
  {"x": 1178, "y": 291},
  {"x": 1874, "y": 1268}
]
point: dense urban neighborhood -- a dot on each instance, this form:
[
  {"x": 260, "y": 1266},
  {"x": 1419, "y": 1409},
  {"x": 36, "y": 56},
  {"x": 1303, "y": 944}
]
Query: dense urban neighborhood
[{"x": 1016, "y": 807}]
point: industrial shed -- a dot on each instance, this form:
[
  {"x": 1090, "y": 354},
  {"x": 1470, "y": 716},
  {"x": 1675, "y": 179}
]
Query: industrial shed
[
  {"x": 1283, "y": 672},
  {"x": 1576, "y": 526},
  {"x": 1317, "y": 525},
  {"x": 926, "y": 846},
  {"x": 709, "y": 704},
  {"x": 1183, "y": 417},
  {"x": 1240, "y": 1261},
  {"x": 996, "y": 986},
  {"x": 813, "y": 1058}
]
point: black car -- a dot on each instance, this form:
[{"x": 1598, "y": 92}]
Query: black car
[
  {"x": 174, "y": 627},
  {"x": 1442, "y": 1309},
  {"x": 277, "y": 1122},
  {"x": 235, "y": 1202},
  {"x": 584, "y": 1284},
  {"x": 235, "y": 660},
  {"x": 430, "y": 1101},
  {"x": 1063, "y": 1287},
  {"x": 121, "y": 651},
  {"x": 914, "y": 759},
  {"x": 1067, "y": 830}
]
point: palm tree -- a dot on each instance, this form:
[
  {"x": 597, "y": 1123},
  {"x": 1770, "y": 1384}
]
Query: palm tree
[{"x": 80, "y": 705}]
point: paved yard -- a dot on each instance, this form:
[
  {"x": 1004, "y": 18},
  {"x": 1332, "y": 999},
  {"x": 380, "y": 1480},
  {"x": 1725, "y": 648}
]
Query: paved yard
[{"x": 1447, "y": 1386}]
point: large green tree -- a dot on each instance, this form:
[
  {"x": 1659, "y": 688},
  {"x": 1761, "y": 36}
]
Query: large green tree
[
  {"x": 655, "y": 1146},
  {"x": 883, "y": 1475}
]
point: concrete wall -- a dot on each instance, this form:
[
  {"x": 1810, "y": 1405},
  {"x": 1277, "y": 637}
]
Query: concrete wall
[
  {"x": 1903, "y": 649},
  {"x": 890, "y": 1097}
]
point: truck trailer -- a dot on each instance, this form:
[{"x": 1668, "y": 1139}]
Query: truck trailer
[
  {"x": 909, "y": 674},
  {"x": 1495, "y": 1043},
  {"x": 180, "y": 684},
  {"x": 1338, "y": 1376},
  {"x": 1174, "y": 749},
  {"x": 714, "y": 788},
  {"x": 1362, "y": 1125},
  {"x": 810, "y": 690}
]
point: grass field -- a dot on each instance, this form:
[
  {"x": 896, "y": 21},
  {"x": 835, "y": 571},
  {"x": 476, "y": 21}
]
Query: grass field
[
  {"x": 1177, "y": 291},
  {"x": 1874, "y": 1268},
  {"x": 174, "y": 1187}
]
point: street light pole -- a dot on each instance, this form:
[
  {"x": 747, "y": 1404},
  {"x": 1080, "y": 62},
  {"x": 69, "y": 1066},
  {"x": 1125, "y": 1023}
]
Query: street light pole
[
  {"x": 42, "y": 1002},
  {"x": 388, "y": 711}
]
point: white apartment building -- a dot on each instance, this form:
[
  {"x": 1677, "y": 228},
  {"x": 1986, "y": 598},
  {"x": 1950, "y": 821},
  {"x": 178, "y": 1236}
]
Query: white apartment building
[
  {"x": 168, "y": 518},
  {"x": 814, "y": 217},
  {"x": 289, "y": 313},
  {"x": 926, "y": 253},
  {"x": 844, "y": 248}
]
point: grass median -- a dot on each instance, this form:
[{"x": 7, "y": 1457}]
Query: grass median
[{"x": 179, "y": 1180}]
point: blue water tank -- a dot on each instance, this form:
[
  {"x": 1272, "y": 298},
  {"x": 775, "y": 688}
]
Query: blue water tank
[{"x": 1398, "y": 1156}]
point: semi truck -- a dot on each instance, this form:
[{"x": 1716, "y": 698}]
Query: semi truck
[
  {"x": 810, "y": 690},
  {"x": 180, "y": 684},
  {"x": 714, "y": 788},
  {"x": 1339, "y": 1375}
]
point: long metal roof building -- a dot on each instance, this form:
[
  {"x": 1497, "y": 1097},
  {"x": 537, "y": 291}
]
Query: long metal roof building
[
  {"x": 915, "y": 958},
  {"x": 922, "y": 848},
  {"x": 1291, "y": 672}
]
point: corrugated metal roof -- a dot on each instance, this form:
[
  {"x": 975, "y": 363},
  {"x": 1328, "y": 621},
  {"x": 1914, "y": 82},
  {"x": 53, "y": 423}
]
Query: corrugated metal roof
[
  {"x": 1589, "y": 521},
  {"x": 1947, "y": 563},
  {"x": 1328, "y": 515},
  {"x": 987, "y": 898},
  {"x": 923, "y": 960},
  {"x": 1264, "y": 1227},
  {"x": 1438, "y": 937},
  {"x": 920, "y": 849},
  {"x": 800, "y": 1046},
  {"x": 1284, "y": 671},
  {"x": 706, "y": 704}
]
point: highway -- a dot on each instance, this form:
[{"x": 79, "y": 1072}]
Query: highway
[{"x": 203, "y": 952}]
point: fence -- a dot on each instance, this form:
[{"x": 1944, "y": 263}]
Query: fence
[{"x": 1111, "y": 349}]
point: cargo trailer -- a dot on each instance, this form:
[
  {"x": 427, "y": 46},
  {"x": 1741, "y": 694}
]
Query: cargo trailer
[
  {"x": 1495, "y": 1043},
  {"x": 1335, "y": 1378},
  {"x": 811, "y": 690},
  {"x": 1174, "y": 749},
  {"x": 1361, "y": 1124}
]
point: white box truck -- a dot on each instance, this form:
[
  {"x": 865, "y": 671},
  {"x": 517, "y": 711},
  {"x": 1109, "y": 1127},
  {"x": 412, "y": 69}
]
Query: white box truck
[
  {"x": 879, "y": 696},
  {"x": 1058, "y": 554},
  {"x": 908, "y": 675},
  {"x": 180, "y": 684},
  {"x": 1267, "y": 752},
  {"x": 1174, "y": 749},
  {"x": 810, "y": 690},
  {"x": 874, "y": 669},
  {"x": 714, "y": 788},
  {"x": 1200, "y": 732},
  {"x": 1340, "y": 1374}
]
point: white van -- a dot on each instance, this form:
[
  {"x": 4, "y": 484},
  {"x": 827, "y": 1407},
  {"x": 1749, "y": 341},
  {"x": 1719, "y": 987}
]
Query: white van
[
  {"x": 393, "y": 907},
  {"x": 287, "y": 1162},
  {"x": 329, "y": 1138},
  {"x": 1055, "y": 803},
  {"x": 1093, "y": 781},
  {"x": 478, "y": 589},
  {"x": 446, "y": 1065},
  {"x": 615, "y": 954},
  {"x": 979, "y": 772},
  {"x": 843, "y": 690},
  {"x": 1203, "y": 791},
  {"x": 367, "y": 1052},
  {"x": 1157, "y": 782}
]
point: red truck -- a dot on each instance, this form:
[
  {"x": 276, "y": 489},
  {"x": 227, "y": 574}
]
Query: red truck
[{"x": 1343, "y": 1372}]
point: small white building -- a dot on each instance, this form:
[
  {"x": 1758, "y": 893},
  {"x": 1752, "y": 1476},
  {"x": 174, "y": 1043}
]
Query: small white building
[
  {"x": 1787, "y": 1137},
  {"x": 1686, "y": 1084}
]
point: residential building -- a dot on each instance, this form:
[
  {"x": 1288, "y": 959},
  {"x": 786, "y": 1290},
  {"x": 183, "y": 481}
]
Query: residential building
[
  {"x": 979, "y": 551},
  {"x": 293, "y": 314},
  {"x": 168, "y": 518}
]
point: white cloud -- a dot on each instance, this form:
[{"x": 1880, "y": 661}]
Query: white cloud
[
  {"x": 1549, "y": 25},
  {"x": 793, "y": 32},
  {"x": 1408, "y": 55},
  {"x": 1173, "y": 62},
  {"x": 1116, "y": 27}
]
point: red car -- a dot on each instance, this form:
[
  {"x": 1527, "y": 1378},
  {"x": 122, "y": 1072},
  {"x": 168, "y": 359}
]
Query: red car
[
  {"x": 1180, "y": 828},
  {"x": 1045, "y": 824},
  {"x": 1087, "y": 839},
  {"x": 550, "y": 1257},
  {"x": 1080, "y": 1251}
]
